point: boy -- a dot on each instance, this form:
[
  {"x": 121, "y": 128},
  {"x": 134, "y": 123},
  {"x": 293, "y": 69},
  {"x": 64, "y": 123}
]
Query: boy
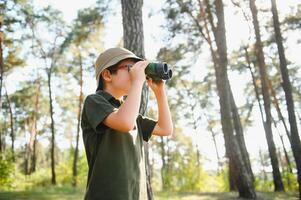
[{"x": 113, "y": 130}]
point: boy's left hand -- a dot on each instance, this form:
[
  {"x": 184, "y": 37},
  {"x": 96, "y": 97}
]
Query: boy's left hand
[{"x": 156, "y": 86}]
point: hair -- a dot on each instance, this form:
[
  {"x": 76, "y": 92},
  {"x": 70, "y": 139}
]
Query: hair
[{"x": 112, "y": 70}]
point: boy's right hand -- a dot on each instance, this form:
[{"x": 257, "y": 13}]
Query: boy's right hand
[{"x": 137, "y": 72}]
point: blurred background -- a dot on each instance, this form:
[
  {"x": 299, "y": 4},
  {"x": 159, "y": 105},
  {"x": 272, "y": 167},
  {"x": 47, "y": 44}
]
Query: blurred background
[{"x": 235, "y": 94}]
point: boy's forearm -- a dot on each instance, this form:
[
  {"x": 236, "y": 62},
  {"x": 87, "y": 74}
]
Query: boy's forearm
[
  {"x": 164, "y": 116},
  {"x": 129, "y": 110}
]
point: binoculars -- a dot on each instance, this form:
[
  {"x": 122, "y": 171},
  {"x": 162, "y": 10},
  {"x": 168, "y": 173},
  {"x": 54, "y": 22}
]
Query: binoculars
[{"x": 158, "y": 71}]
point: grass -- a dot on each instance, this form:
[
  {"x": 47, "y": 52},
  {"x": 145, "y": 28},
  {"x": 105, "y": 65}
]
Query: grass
[
  {"x": 68, "y": 193},
  {"x": 223, "y": 196},
  {"x": 47, "y": 193}
]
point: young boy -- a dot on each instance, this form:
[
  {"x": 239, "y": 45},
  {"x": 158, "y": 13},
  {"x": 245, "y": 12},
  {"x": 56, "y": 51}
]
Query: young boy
[{"x": 113, "y": 129}]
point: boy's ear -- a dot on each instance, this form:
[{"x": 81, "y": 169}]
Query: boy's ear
[{"x": 106, "y": 75}]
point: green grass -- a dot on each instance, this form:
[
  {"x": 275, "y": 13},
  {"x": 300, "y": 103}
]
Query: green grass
[
  {"x": 68, "y": 193},
  {"x": 47, "y": 193},
  {"x": 223, "y": 196}
]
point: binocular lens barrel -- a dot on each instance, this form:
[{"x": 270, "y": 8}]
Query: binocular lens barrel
[{"x": 158, "y": 71}]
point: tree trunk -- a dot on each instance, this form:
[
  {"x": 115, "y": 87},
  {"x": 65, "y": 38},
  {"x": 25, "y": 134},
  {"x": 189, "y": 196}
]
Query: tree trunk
[
  {"x": 284, "y": 149},
  {"x": 240, "y": 135},
  {"x": 276, "y": 104},
  {"x": 80, "y": 102},
  {"x": 35, "y": 128},
  {"x": 1, "y": 81},
  {"x": 260, "y": 108},
  {"x": 12, "y": 132},
  {"x": 133, "y": 38},
  {"x": 241, "y": 176},
  {"x": 267, "y": 102},
  {"x": 238, "y": 167},
  {"x": 53, "y": 175},
  {"x": 219, "y": 166},
  {"x": 215, "y": 64},
  {"x": 254, "y": 84},
  {"x": 33, "y": 131},
  {"x": 163, "y": 169},
  {"x": 1, "y": 64},
  {"x": 34, "y": 155},
  {"x": 295, "y": 139}
]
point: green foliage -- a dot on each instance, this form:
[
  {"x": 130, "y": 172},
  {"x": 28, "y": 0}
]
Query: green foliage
[
  {"x": 64, "y": 170},
  {"x": 15, "y": 180},
  {"x": 6, "y": 173},
  {"x": 293, "y": 21},
  {"x": 40, "y": 178},
  {"x": 264, "y": 185},
  {"x": 183, "y": 173},
  {"x": 222, "y": 180},
  {"x": 290, "y": 181}
]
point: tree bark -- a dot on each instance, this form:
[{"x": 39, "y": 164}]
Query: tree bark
[
  {"x": 12, "y": 132},
  {"x": 53, "y": 174},
  {"x": 36, "y": 113},
  {"x": 295, "y": 139},
  {"x": 133, "y": 38},
  {"x": 80, "y": 102},
  {"x": 1, "y": 63},
  {"x": 1, "y": 81},
  {"x": 240, "y": 135},
  {"x": 34, "y": 129},
  {"x": 267, "y": 102},
  {"x": 163, "y": 169},
  {"x": 219, "y": 168},
  {"x": 276, "y": 104},
  {"x": 290, "y": 170}
]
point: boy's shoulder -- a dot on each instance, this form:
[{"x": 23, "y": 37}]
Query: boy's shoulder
[
  {"x": 95, "y": 97},
  {"x": 101, "y": 98},
  {"x": 99, "y": 95}
]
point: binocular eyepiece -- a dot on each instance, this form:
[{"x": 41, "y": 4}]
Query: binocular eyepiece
[{"x": 158, "y": 71}]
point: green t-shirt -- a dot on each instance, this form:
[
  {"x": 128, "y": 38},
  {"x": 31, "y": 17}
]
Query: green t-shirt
[{"x": 115, "y": 159}]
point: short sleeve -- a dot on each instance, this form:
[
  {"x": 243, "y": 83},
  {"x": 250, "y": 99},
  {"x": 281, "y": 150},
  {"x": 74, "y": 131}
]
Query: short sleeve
[
  {"x": 147, "y": 126},
  {"x": 97, "y": 108}
]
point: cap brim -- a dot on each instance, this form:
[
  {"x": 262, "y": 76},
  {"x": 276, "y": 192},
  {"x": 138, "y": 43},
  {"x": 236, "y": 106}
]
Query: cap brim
[{"x": 120, "y": 58}]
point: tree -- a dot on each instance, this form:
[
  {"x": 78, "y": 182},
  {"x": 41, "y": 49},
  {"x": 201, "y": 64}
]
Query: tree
[
  {"x": 9, "y": 57},
  {"x": 295, "y": 139},
  {"x": 79, "y": 40},
  {"x": 242, "y": 180},
  {"x": 49, "y": 53},
  {"x": 134, "y": 41},
  {"x": 218, "y": 50},
  {"x": 266, "y": 99}
]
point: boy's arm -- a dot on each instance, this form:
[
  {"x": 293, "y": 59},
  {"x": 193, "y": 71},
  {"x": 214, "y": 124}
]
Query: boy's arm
[
  {"x": 164, "y": 126},
  {"x": 124, "y": 118}
]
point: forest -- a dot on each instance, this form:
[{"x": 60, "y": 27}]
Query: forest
[{"x": 234, "y": 97}]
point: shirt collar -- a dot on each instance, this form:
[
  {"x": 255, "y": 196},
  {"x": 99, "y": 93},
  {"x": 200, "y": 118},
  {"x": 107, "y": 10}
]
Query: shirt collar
[{"x": 109, "y": 97}]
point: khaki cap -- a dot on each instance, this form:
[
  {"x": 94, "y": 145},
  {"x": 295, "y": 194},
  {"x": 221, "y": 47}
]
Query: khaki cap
[{"x": 111, "y": 57}]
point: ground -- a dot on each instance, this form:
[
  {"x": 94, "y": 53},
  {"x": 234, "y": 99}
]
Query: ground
[{"x": 68, "y": 193}]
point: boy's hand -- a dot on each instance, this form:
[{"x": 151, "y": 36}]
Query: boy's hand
[
  {"x": 156, "y": 86},
  {"x": 137, "y": 73}
]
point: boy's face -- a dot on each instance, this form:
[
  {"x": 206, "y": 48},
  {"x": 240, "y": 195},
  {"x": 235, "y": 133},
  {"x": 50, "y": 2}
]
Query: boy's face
[{"x": 121, "y": 81}]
